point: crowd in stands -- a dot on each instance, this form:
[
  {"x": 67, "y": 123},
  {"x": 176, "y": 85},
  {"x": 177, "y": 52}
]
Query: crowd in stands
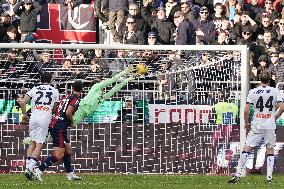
[{"x": 259, "y": 24}]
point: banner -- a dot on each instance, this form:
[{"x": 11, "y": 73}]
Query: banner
[
  {"x": 57, "y": 24},
  {"x": 161, "y": 113}
]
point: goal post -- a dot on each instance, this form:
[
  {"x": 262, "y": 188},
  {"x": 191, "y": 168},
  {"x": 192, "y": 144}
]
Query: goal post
[{"x": 148, "y": 127}]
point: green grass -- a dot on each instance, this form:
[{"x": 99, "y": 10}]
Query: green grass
[{"x": 109, "y": 181}]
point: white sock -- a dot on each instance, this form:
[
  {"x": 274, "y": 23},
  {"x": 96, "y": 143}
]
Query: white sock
[
  {"x": 31, "y": 164},
  {"x": 242, "y": 163},
  {"x": 70, "y": 174},
  {"x": 270, "y": 165},
  {"x": 27, "y": 162}
]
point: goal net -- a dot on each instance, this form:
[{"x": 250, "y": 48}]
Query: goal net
[{"x": 183, "y": 116}]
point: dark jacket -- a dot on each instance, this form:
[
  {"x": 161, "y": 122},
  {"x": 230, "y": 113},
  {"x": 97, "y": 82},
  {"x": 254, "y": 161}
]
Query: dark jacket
[
  {"x": 99, "y": 5},
  {"x": 118, "y": 5},
  {"x": 208, "y": 28},
  {"x": 28, "y": 18},
  {"x": 164, "y": 30},
  {"x": 185, "y": 33},
  {"x": 137, "y": 38}
]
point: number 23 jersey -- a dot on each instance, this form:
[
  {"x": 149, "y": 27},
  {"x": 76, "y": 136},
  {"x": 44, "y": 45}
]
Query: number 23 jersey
[
  {"x": 264, "y": 100},
  {"x": 43, "y": 98}
]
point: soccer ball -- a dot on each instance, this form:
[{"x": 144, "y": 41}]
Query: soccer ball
[{"x": 142, "y": 69}]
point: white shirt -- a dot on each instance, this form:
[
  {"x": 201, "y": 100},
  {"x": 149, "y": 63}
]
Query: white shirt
[
  {"x": 264, "y": 100},
  {"x": 43, "y": 98}
]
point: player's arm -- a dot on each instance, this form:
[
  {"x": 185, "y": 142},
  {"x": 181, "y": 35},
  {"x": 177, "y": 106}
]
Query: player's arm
[
  {"x": 279, "y": 105},
  {"x": 22, "y": 104},
  {"x": 55, "y": 107},
  {"x": 69, "y": 114},
  {"x": 246, "y": 115}
]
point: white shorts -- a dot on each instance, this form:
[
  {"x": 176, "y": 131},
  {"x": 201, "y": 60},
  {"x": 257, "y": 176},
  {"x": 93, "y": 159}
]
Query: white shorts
[
  {"x": 255, "y": 136},
  {"x": 38, "y": 128}
]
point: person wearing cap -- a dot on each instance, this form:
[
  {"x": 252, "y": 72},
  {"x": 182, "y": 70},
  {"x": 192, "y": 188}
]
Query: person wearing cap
[
  {"x": 27, "y": 10},
  {"x": 152, "y": 39},
  {"x": 204, "y": 28},
  {"x": 185, "y": 34},
  {"x": 163, "y": 28}
]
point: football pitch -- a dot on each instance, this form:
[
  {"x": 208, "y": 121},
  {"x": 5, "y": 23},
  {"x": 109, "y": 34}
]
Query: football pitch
[{"x": 109, "y": 181}]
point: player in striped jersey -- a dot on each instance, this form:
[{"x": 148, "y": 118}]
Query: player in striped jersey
[{"x": 58, "y": 129}]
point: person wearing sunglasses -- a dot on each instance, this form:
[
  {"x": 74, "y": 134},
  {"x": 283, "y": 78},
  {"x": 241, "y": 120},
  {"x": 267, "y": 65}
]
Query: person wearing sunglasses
[
  {"x": 276, "y": 67},
  {"x": 204, "y": 28},
  {"x": 267, "y": 11},
  {"x": 280, "y": 32}
]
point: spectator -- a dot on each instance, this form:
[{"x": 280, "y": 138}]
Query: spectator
[
  {"x": 6, "y": 20},
  {"x": 246, "y": 22},
  {"x": 172, "y": 6},
  {"x": 267, "y": 44},
  {"x": 222, "y": 39},
  {"x": 152, "y": 39},
  {"x": 141, "y": 25},
  {"x": 185, "y": 31},
  {"x": 42, "y": 65},
  {"x": 252, "y": 7},
  {"x": 189, "y": 13},
  {"x": 71, "y": 3},
  {"x": 11, "y": 36},
  {"x": 267, "y": 11},
  {"x": 163, "y": 28},
  {"x": 117, "y": 12},
  {"x": 266, "y": 24},
  {"x": 232, "y": 7},
  {"x": 102, "y": 10},
  {"x": 118, "y": 64},
  {"x": 276, "y": 68},
  {"x": 280, "y": 32},
  {"x": 132, "y": 35},
  {"x": 247, "y": 39},
  {"x": 7, "y": 8},
  {"x": 10, "y": 68},
  {"x": 27, "y": 10},
  {"x": 263, "y": 64},
  {"x": 205, "y": 29},
  {"x": 149, "y": 11},
  {"x": 218, "y": 16}
]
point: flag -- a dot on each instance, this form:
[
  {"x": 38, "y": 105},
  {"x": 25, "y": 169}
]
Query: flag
[{"x": 57, "y": 24}]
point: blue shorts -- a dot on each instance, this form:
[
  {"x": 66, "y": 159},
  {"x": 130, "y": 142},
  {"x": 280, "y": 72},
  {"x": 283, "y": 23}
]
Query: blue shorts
[{"x": 59, "y": 136}]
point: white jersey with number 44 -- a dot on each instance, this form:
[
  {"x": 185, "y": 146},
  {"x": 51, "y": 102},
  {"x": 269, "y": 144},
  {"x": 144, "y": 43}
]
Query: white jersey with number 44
[
  {"x": 43, "y": 98},
  {"x": 264, "y": 100}
]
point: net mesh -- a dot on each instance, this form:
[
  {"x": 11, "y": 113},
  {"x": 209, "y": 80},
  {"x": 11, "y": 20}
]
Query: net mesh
[{"x": 181, "y": 117}]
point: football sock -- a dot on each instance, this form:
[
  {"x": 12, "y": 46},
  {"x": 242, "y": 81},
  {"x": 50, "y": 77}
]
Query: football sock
[
  {"x": 242, "y": 163},
  {"x": 32, "y": 162},
  {"x": 67, "y": 163},
  {"x": 48, "y": 162},
  {"x": 270, "y": 165},
  {"x": 27, "y": 161}
]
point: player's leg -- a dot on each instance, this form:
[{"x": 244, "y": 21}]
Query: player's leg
[
  {"x": 253, "y": 139},
  {"x": 41, "y": 133},
  {"x": 58, "y": 152},
  {"x": 28, "y": 172},
  {"x": 269, "y": 140},
  {"x": 67, "y": 159},
  {"x": 116, "y": 88}
]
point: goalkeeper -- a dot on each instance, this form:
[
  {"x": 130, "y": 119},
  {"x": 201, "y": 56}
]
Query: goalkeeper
[{"x": 95, "y": 96}]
